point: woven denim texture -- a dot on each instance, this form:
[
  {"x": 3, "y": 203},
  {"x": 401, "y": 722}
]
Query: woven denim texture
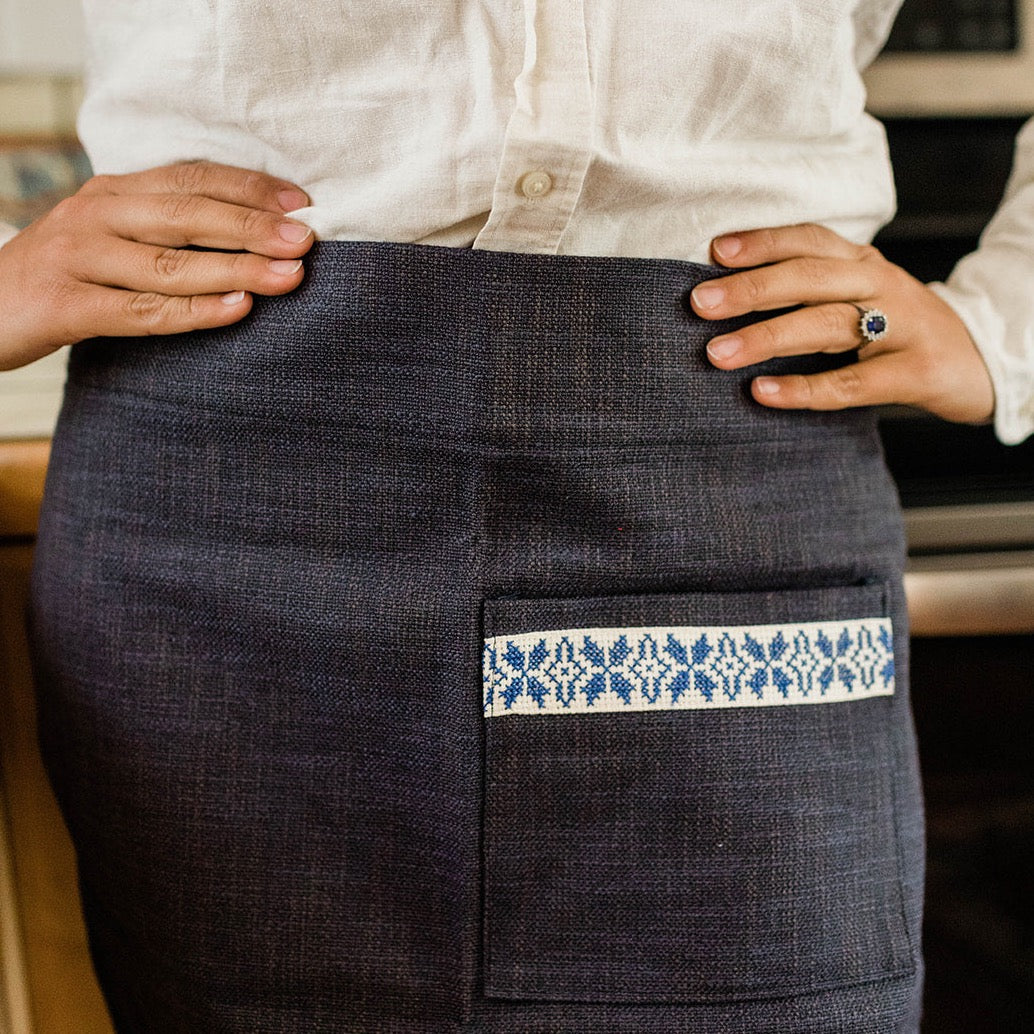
[{"x": 267, "y": 560}]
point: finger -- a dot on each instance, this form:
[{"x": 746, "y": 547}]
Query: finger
[
  {"x": 183, "y": 272},
  {"x": 228, "y": 183},
  {"x": 826, "y": 328},
  {"x": 774, "y": 244},
  {"x": 877, "y": 381},
  {"x": 114, "y": 313},
  {"x": 799, "y": 281},
  {"x": 178, "y": 220}
]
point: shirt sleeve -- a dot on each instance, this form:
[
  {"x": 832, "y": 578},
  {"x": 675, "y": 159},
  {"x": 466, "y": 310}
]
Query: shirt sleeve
[
  {"x": 991, "y": 290},
  {"x": 7, "y": 232},
  {"x": 873, "y": 20}
]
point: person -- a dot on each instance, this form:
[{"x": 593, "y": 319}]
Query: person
[{"x": 468, "y": 592}]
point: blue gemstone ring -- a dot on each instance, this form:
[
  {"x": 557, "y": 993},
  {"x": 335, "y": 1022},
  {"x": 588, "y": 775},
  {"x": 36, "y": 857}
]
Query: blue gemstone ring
[{"x": 871, "y": 323}]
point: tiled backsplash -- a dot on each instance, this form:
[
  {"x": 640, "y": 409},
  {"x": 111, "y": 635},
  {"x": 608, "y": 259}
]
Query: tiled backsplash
[{"x": 40, "y": 163}]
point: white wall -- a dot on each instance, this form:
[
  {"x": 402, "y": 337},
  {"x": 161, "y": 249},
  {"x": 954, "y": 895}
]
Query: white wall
[{"x": 40, "y": 36}]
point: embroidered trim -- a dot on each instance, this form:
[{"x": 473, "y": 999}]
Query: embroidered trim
[{"x": 578, "y": 670}]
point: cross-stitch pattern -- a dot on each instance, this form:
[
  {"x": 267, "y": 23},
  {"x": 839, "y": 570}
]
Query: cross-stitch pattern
[{"x": 640, "y": 669}]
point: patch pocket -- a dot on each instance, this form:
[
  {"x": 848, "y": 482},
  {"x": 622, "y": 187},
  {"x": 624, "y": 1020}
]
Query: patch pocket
[{"x": 690, "y": 797}]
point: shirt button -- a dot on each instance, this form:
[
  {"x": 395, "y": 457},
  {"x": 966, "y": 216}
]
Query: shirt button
[{"x": 535, "y": 184}]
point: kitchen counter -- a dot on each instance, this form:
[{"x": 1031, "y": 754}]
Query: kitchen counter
[
  {"x": 46, "y": 980},
  {"x": 23, "y": 465}
]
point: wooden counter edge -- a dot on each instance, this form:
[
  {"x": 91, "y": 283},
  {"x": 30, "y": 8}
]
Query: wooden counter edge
[{"x": 23, "y": 468}]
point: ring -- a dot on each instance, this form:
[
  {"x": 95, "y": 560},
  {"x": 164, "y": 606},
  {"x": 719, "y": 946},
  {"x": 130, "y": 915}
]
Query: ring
[{"x": 872, "y": 323}]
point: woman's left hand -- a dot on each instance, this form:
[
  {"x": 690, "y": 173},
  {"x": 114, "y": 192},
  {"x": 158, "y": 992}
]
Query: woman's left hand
[{"x": 927, "y": 357}]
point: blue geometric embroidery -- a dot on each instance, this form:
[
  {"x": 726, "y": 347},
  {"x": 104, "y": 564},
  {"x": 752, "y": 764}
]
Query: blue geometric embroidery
[{"x": 566, "y": 671}]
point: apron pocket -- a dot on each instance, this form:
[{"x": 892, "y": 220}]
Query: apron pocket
[{"x": 690, "y": 797}]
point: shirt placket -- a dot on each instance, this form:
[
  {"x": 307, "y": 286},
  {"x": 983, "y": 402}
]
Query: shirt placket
[{"x": 548, "y": 142}]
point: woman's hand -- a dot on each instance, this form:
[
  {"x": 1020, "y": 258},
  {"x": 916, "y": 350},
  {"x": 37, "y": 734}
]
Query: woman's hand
[
  {"x": 927, "y": 357},
  {"x": 114, "y": 260}
]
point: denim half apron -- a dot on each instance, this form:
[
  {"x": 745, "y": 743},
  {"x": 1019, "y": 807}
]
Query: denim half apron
[{"x": 449, "y": 647}]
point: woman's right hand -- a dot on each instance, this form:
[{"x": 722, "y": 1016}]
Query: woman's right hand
[{"x": 115, "y": 259}]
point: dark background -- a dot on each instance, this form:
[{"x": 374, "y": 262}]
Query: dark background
[{"x": 973, "y": 697}]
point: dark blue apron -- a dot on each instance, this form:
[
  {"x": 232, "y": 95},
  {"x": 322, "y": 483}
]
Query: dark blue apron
[{"x": 449, "y": 647}]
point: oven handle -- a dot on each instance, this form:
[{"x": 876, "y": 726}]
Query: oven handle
[{"x": 971, "y": 594}]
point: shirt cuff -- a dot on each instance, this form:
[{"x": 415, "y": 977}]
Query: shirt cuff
[{"x": 1010, "y": 368}]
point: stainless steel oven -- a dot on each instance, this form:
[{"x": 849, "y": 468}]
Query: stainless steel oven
[
  {"x": 957, "y": 57},
  {"x": 953, "y": 88}
]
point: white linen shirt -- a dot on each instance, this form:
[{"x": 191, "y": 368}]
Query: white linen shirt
[{"x": 596, "y": 127}]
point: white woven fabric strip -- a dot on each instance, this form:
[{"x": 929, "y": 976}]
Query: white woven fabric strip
[{"x": 583, "y": 670}]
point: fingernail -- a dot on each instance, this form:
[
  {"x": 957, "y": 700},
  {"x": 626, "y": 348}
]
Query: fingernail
[
  {"x": 708, "y": 297},
  {"x": 234, "y": 298},
  {"x": 728, "y": 247},
  {"x": 724, "y": 347},
  {"x": 285, "y": 267},
  {"x": 766, "y": 385},
  {"x": 294, "y": 233},
  {"x": 291, "y": 199}
]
